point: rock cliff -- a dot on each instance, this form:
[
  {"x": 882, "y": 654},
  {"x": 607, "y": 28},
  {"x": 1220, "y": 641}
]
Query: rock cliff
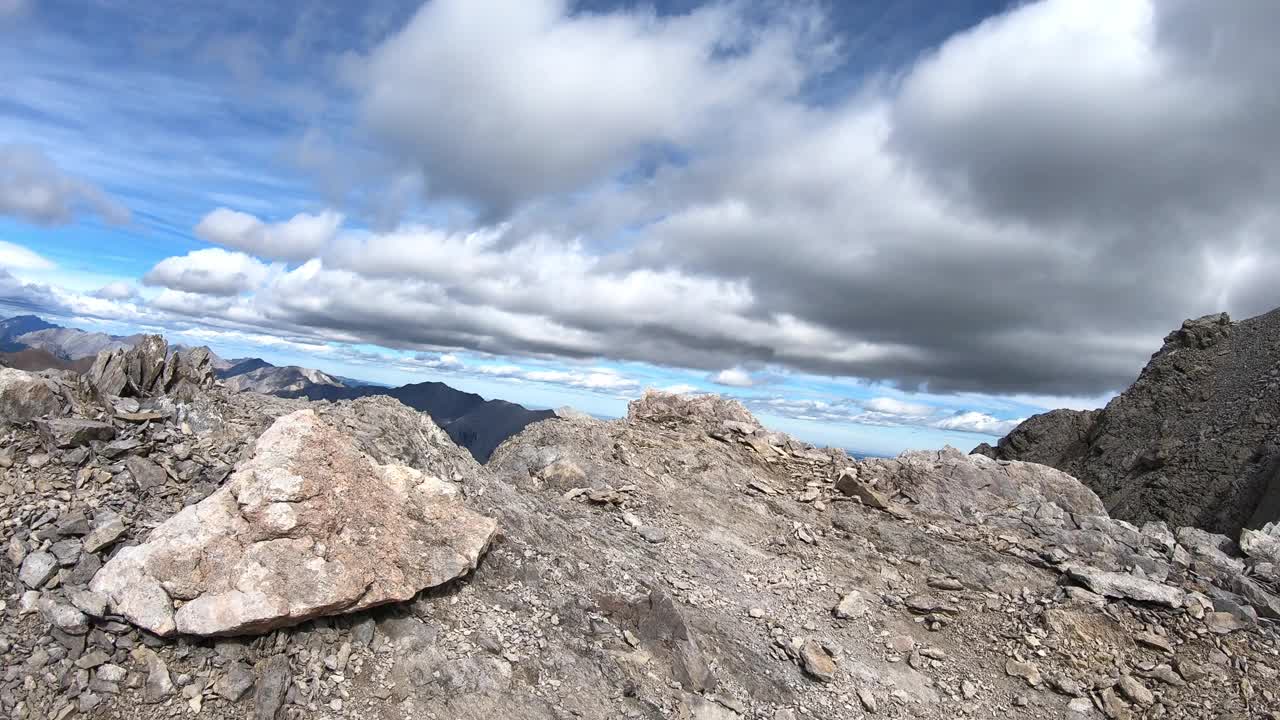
[{"x": 1194, "y": 441}]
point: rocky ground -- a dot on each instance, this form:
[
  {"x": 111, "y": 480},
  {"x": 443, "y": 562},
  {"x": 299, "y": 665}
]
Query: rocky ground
[
  {"x": 1195, "y": 440},
  {"x": 680, "y": 563}
]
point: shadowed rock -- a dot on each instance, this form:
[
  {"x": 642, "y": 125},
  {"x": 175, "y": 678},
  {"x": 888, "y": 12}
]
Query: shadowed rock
[{"x": 308, "y": 526}]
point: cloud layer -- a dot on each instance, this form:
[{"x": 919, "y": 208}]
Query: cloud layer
[{"x": 34, "y": 189}]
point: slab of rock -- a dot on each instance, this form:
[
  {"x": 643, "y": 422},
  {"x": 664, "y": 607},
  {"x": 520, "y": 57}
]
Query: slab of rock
[
  {"x": 25, "y": 396},
  {"x": 1129, "y": 587},
  {"x": 37, "y": 568},
  {"x": 273, "y": 687},
  {"x": 1262, "y": 545},
  {"x": 107, "y": 531},
  {"x": 146, "y": 474},
  {"x": 307, "y": 526},
  {"x": 73, "y": 432}
]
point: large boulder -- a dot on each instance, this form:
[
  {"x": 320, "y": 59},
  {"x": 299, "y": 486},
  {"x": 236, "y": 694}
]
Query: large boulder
[
  {"x": 307, "y": 526},
  {"x": 25, "y": 396},
  {"x": 967, "y": 487}
]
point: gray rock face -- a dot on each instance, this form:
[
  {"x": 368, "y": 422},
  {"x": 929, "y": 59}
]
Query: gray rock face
[
  {"x": 307, "y": 527},
  {"x": 25, "y": 396},
  {"x": 1195, "y": 441},
  {"x": 1121, "y": 585},
  {"x": 148, "y": 369}
]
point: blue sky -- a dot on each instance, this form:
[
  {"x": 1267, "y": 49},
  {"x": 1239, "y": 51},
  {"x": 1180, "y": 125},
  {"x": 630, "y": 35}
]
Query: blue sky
[{"x": 883, "y": 225}]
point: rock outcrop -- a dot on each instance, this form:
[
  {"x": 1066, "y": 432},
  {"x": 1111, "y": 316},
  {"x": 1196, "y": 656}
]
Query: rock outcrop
[
  {"x": 26, "y": 396},
  {"x": 148, "y": 369},
  {"x": 308, "y": 526},
  {"x": 1194, "y": 441}
]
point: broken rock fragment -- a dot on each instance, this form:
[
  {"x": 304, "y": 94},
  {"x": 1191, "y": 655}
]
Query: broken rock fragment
[{"x": 308, "y": 526}]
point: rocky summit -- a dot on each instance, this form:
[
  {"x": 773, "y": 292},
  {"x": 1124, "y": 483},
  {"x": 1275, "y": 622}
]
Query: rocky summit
[
  {"x": 175, "y": 549},
  {"x": 1194, "y": 441}
]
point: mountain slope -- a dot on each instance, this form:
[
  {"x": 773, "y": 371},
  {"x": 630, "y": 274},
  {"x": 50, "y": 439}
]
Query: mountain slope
[
  {"x": 36, "y": 359},
  {"x": 681, "y": 562},
  {"x": 11, "y": 328},
  {"x": 271, "y": 380},
  {"x": 1194, "y": 441},
  {"x": 73, "y": 344},
  {"x": 476, "y": 424}
]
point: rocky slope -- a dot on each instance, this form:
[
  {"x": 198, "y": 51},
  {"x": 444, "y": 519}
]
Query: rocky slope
[
  {"x": 474, "y": 423},
  {"x": 682, "y": 562},
  {"x": 1196, "y": 439}
]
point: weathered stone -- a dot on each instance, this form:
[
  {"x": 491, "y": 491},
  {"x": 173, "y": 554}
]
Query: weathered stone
[
  {"x": 64, "y": 617},
  {"x": 73, "y": 432},
  {"x": 1262, "y": 545},
  {"x": 37, "y": 568},
  {"x": 235, "y": 682},
  {"x": 146, "y": 474},
  {"x": 1135, "y": 691},
  {"x": 852, "y": 605},
  {"x": 104, "y": 534},
  {"x": 1129, "y": 587},
  {"x": 89, "y": 602},
  {"x": 158, "y": 684},
  {"x": 1025, "y": 670},
  {"x": 25, "y": 396},
  {"x": 817, "y": 661},
  {"x": 288, "y": 538},
  {"x": 273, "y": 687}
]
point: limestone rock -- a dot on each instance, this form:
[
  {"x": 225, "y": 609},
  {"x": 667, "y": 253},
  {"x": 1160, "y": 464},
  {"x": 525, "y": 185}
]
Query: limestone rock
[
  {"x": 308, "y": 526},
  {"x": 1129, "y": 587},
  {"x": 37, "y": 568},
  {"x": 25, "y": 396}
]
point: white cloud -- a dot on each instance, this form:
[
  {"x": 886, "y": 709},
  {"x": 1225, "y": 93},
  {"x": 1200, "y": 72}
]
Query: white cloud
[
  {"x": 119, "y": 290},
  {"x": 680, "y": 389},
  {"x": 483, "y": 94},
  {"x": 17, "y": 257},
  {"x": 734, "y": 377},
  {"x": 33, "y": 188},
  {"x": 977, "y": 422},
  {"x": 891, "y": 406},
  {"x": 302, "y": 237},
  {"x": 212, "y": 271}
]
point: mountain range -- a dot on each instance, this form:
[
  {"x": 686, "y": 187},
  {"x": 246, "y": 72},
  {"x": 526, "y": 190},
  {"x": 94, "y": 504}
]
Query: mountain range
[{"x": 30, "y": 343}]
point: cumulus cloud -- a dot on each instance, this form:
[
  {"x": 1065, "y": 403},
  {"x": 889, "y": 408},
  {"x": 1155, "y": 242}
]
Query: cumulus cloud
[
  {"x": 734, "y": 377},
  {"x": 299, "y": 238},
  {"x": 18, "y": 257},
  {"x": 34, "y": 189},
  {"x": 119, "y": 290},
  {"x": 212, "y": 271},
  {"x": 977, "y": 422},
  {"x": 499, "y": 102}
]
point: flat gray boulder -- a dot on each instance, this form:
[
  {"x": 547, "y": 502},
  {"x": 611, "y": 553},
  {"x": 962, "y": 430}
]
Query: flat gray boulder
[{"x": 307, "y": 526}]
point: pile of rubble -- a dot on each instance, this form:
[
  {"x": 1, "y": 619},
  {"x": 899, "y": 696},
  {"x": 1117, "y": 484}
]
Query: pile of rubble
[{"x": 223, "y": 555}]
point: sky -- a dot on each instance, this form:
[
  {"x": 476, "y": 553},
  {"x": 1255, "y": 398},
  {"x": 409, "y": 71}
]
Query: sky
[{"x": 882, "y": 225}]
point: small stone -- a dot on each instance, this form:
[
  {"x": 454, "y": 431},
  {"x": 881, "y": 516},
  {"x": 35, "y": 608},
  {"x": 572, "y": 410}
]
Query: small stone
[
  {"x": 1135, "y": 691},
  {"x": 112, "y": 673},
  {"x": 817, "y": 661},
  {"x": 1153, "y": 641},
  {"x": 158, "y": 684},
  {"x": 37, "y": 569},
  {"x": 65, "y": 617},
  {"x": 235, "y": 682},
  {"x": 1222, "y": 623},
  {"x": 867, "y": 699},
  {"x": 90, "y": 603},
  {"x": 92, "y": 660},
  {"x": 852, "y": 605},
  {"x": 1025, "y": 670},
  {"x": 654, "y": 535},
  {"x": 968, "y": 690},
  {"x": 901, "y": 644},
  {"x": 104, "y": 534},
  {"x": 756, "y": 612},
  {"x": 1080, "y": 709},
  {"x": 273, "y": 686}
]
